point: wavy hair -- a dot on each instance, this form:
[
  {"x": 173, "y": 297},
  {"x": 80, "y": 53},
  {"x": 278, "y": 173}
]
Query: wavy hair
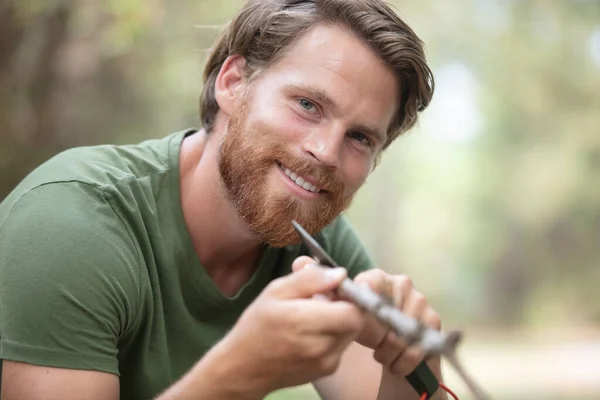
[{"x": 263, "y": 30}]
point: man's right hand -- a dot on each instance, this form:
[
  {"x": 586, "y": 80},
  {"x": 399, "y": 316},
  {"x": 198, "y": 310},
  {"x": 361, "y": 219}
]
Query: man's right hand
[{"x": 284, "y": 338}]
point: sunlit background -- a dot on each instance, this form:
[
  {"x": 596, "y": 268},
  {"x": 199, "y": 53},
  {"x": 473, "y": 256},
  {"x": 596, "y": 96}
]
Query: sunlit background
[{"x": 491, "y": 205}]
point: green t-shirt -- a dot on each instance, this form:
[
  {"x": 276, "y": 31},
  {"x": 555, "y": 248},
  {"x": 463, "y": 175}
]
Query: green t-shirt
[{"x": 98, "y": 272}]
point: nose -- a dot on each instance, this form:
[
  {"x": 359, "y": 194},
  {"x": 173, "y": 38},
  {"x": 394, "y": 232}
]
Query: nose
[{"x": 324, "y": 144}]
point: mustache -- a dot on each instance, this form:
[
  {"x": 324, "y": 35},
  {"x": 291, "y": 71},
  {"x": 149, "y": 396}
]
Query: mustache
[{"x": 324, "y": 177}]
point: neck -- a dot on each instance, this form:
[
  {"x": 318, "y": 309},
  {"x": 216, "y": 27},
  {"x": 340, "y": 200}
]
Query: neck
[{"x": 223, "y": 242}]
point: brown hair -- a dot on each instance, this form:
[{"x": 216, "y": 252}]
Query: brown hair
[{"x": 264, "y": 29}]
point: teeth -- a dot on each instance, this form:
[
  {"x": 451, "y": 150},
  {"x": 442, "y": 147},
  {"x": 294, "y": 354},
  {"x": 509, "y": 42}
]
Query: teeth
[{"x": 301, "y": 182}]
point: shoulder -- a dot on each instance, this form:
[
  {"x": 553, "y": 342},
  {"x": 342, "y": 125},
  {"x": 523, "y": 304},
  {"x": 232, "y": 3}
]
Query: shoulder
[
  {"x": 66, "y": 221},
  {"x": 105, "y": 165},
  {"x": 68, "y": 269}
]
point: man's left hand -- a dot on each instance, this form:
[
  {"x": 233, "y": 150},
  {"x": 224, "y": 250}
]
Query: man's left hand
[{"x": 389, "y": 349}]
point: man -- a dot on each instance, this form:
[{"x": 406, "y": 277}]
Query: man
[{"x": 170, "y": 269}]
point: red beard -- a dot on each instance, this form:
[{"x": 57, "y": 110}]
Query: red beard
[{"x": 244, "y": 165}]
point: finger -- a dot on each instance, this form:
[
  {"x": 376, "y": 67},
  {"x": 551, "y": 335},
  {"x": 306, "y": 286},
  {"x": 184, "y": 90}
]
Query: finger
[
  {"x": 375, "y": 279},
  {"x": 390, "y": 350},
  {"x": 306, "y": 282},
  {"x": 402, "y": 287},
  {"x": 407, "y": 361},
  {"x": 329, "y": 296},
  {"x": 374, "y": 333},
  {"x": 336, "y": 317},
  {"x": 416, "y": 305},
  {"x": 432, "y": 319},
  {"x": 301, "y": 262}
]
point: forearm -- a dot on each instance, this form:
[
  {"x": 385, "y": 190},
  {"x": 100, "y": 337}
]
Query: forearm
[
  {"x": 357, "y": 377},
  {"x": 361, "y": 377},
  {"x": 219, "y": 376}
]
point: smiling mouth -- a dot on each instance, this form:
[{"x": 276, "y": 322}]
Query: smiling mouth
[{"x": 299, "y": 181}]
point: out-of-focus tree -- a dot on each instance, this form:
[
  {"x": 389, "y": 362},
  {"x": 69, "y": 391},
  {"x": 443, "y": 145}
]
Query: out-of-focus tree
[
  {"x": 496, "y": 188},
  {"x": 86, "y": 72},
  {"x": 492, "y": 198},
  {"x": 491, "y": 204}
]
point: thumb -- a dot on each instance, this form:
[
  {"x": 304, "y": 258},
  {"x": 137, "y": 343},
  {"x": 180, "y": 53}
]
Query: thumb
[
  {"x": 307, "y": 282},
  {"x": 301, "y": 262}
]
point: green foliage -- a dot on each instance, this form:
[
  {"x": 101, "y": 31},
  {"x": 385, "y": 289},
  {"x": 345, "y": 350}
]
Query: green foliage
[
  {"x": 491, "y": 204},
  {"x": 492, "y": 208}
]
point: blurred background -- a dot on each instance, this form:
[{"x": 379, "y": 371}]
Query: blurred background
[{"x": 491, "y": 204}]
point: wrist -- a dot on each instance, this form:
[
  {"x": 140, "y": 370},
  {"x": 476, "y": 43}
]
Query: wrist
[{"x": 391, "y": 385}]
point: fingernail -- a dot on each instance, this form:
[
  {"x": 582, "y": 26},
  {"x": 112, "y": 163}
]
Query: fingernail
[
  {"x": 311, "y": 266},
  {"x": 335, "y": 273}
]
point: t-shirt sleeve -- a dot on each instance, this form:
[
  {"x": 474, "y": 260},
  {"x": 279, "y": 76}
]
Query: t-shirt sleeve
[
  {"x": 343, "y": 244},
  {"x": 69, "y": 279}
]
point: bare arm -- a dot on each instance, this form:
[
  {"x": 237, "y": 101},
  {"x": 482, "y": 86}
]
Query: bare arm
[
  {"x": 32, "y": 382},
  {"x": 357, "y": 377},
  {"x": 207, "y": 379},
  {"x": 284, "y": 338},
  {"x": 360, "y": 377}
]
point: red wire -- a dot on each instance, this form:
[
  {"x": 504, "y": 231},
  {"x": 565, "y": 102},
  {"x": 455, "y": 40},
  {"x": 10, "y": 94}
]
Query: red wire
[{"x": 450, "y": 392}]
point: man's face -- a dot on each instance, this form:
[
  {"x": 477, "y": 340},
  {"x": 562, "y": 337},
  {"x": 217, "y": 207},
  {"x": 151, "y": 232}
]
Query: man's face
[{"x": 305, "y": 136}]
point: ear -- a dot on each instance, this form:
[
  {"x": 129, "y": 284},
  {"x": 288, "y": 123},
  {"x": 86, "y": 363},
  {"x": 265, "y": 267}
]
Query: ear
[{"x": 230, "y": 84}]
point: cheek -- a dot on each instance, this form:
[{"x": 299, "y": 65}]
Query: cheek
[
  {"x": 277, "y": 121},
  {"x": 356, "y": 173}
]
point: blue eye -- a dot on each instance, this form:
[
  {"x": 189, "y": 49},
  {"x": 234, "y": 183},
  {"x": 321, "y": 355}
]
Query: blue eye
[
  {"x": 306, "y": 104},
  {"x": 360, "y": 137}
]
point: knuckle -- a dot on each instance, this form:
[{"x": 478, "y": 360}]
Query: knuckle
[
  {"x": 378, "y": 355},
  {"x": 433, "y": 319},
  {"x": 291, "y": 317},
  {"x": 275, "y": 286},
  {"x": 384, "y": 356},
  {"x": 375, "y": 278},
  {"x": 301, "y": 261},
  {"x": 405, "y": 281},
  {"x": 407, "y": 362},
  {"x": 269, "y": 316},
  {"x": 315, "y": 351},
  {"x": 379, "y": 274},
  {"x": 361, "y": 277},
  {"x": 418, "y": 297},
  {"x": 309, "y": 273},
  {"x": 375, "y": 273},
  {"x": 355, "y": 324},
  {"x": 404, "y": 367},
  {"x": 328, "y": 365},
  {"x": 351, "y": 318}
]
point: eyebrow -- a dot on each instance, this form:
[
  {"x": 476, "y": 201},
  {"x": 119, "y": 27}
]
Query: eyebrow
[{"x": 326, "y": 100}]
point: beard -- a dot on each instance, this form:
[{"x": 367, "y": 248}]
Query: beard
[{"x": 245, "y": 165}]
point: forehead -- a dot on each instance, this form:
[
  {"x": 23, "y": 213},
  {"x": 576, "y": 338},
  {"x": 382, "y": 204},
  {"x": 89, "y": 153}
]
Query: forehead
[{"x": 345, "y": 68}]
